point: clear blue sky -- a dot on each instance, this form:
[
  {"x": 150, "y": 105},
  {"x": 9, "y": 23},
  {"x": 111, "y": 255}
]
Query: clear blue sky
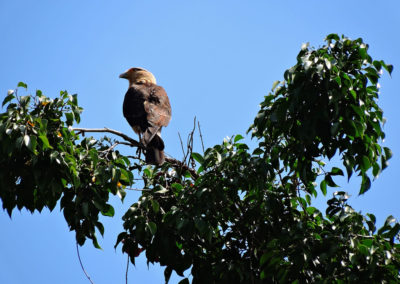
[{"x": 216, "y": 59}]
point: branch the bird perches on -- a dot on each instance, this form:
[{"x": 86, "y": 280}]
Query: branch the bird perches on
[{"x": 133, "y": 143}]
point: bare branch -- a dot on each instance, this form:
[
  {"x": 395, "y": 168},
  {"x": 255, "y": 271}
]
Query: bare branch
[
  {"x": 201, "y": 136},
  {"x": 183, "y": 150},
  {"x": 80, "y": 261},
  {"x": 190, "y": 145},
  {"x": 126, "y": 273},
  {"x": 138, "y": 189},
  {"x": 133, "y": 142}
]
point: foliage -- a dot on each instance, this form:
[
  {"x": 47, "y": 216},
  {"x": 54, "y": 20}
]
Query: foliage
[
  {"x": 45, "y": 162},
  {"x": 245, "y": 216},
  {"x": 327, "y": 104}
]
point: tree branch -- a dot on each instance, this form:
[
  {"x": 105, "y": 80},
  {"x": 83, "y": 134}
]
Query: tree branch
[
  {"x": 80, "y": 261},
  {"x": 126, "y": 273},
  {"x": 133, "y": 142}
]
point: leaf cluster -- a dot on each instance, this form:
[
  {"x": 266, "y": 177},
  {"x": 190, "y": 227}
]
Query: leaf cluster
[
  {"x": 44, "y": 162},
  {"x": 237, "y": 223},
  {"x": 247, "y": 217},
  {"x": 326, "y": 105}
]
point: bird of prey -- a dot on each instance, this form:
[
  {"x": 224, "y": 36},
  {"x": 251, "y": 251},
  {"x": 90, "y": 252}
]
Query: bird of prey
[{"x": 147, "y": 109}]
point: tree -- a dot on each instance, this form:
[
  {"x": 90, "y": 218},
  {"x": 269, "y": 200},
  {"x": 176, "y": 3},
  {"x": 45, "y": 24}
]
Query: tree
[{"x": 242, "y": 215}]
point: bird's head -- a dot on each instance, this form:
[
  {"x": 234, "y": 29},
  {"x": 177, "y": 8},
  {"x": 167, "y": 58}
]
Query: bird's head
[{"x": 138, "y": 75}]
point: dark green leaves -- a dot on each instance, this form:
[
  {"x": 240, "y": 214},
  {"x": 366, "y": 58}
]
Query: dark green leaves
[
  {"x": 10, "y": 96},
  {"x": 43, "y": 162},
  {"x": 152, "y": 227},
  {"x": 327, "y": 105}
]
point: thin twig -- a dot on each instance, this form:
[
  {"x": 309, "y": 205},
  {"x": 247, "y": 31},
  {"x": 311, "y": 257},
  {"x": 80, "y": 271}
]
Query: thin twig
[
  {"x": 133, "y": 142},
  {"x": 201, "y": 136},
  {"x": 80, "y": 261},
  {"x": 190, "y": 145},
  {"x": 115, "y": 145},
  {"x": 126, "y": 273},
  {"x": 111, "y": 147},
  {"x": 138, "y": 189},
  {"x": 133, "y": 157},
  {"x": 183, "y": 150}
]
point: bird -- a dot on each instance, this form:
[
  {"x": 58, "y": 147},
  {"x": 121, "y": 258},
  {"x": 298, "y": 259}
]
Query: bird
[{"x": 147, "y": 109}]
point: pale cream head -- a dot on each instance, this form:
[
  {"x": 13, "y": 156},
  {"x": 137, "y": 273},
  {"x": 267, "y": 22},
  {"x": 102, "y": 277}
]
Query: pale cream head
[{"x": 138, "y": 75}]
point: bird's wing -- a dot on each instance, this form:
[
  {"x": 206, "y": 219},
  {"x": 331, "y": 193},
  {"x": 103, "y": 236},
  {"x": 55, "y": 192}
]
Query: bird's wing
[
  {"x": 157, "y": 107},
  {"x": 133, "y": 109}
]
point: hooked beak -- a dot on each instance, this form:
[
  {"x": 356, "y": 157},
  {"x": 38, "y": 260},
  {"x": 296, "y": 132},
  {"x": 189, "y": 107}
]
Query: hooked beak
[{"x": 124, "y": 75}]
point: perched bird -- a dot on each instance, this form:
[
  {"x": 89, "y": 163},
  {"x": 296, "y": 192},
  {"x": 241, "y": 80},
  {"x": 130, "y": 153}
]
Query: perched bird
[{"x": 147, "y": 109}]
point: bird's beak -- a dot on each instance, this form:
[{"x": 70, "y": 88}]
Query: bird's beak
[{"x": 124, "y": 75}]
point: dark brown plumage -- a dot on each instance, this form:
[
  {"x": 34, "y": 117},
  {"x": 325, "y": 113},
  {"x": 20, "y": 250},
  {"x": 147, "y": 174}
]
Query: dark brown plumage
[{"x": 147, "y": 109}]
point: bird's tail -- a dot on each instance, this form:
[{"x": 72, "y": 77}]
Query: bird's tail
[{"x": 155, "y": 151}]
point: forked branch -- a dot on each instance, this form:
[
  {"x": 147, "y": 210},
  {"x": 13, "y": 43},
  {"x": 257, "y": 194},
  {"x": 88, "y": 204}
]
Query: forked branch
[{"x": 133, "y": 143}]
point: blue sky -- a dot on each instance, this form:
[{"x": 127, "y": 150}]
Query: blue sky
[{"x": 216, "y": 60}]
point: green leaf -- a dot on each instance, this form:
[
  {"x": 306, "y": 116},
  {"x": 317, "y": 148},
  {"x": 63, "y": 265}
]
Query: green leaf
[
  {"x": 365, "y": 184},
  {"x": 100, "y": 227},
  {"x": 238, "y": 137},
  {"x": 308, "y": 198},
  {"x": 363, "y": 53},
  {"x": 70, "y": 118},
  {"x": 155, "y": 205},
  {"x": 122, "y": 236},
  {"x": 45, "y": 142},
  {"x": 258, "y": 151},
  {"x": 108, "y": 211},
  {"x": 177, "y": 186},
  {"x": 363, "y": 249},
  {"x": 357, "y": 110},
  {"x": 95, "y": 243},
  {"x": 184, "y": 281},
  {"x": 336, "y": 172},
  {"x": 388, "y": 67},
  {"x": 152, "y": 227},
  {"x": 377, "y": 64},
  {"x": 332, "y": 37},
  {"x": 389, "y": 220},
  {"x": 30, "y": 143},
  {"x": 323, "y": 187},
  {"x": 388, "y": 153},
  {"x": 126, "y": 176},
  {"x": 199, "y": 158},
  {"x": 264, "y": 258},
  {"x": 8, "y": 98},
  {"x": 376, "y": 170},
  {"x": 148, "y": 172},
  {"x": 22, "y": 84},
  {"x": 329, "y": 181},
  {"x": 338, "y": 81},
  {"x": 365, "y": 163}
]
